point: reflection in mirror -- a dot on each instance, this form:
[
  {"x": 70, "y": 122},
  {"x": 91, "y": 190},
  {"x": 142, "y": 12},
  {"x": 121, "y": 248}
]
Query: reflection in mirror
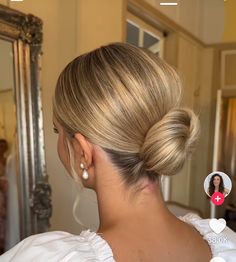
[{"x": 9, "y": 208}]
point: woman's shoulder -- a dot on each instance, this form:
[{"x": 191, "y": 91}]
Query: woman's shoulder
[
  {"x": 60, "y": 246},
  {"x": 222, "y": 244}
]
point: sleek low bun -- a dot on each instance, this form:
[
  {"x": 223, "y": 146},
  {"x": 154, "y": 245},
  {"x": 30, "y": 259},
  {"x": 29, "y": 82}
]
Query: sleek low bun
[
  {"x": 126, "y": 100},
  {"x": 169, "y": 141}
]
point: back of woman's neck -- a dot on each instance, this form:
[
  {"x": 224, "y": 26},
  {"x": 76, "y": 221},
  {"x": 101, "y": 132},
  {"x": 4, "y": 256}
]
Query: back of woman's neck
[{"x": 119, "y": 210}]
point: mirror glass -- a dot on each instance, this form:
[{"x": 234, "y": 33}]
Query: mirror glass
[{"x": 9, "y": 210}]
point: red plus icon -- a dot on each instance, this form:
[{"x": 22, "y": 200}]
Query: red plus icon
[{"x": 217, "y": 198}]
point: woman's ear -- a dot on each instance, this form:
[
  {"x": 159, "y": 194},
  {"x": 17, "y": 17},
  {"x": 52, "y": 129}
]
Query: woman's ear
[{"x": 84, "y": 148}]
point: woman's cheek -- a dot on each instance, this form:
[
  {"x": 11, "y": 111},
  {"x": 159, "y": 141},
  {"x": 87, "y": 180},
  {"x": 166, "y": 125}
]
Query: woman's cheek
[{"x": 61, "y": 150}]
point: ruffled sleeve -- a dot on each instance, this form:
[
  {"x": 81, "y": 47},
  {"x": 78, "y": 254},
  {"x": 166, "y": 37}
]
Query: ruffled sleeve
[
  {"x": 60, "y": 246},
  {"x": 222, "y": 245}
]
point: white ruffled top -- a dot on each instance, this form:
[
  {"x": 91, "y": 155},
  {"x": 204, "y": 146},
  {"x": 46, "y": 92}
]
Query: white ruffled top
[
  {"x": 90, "y": 247},
  {"x": 61, "y": 246},
  {"x": 222, "y": 245}
]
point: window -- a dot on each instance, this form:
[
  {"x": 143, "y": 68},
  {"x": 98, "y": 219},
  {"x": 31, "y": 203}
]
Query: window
[{"x": 142, "y": 34}]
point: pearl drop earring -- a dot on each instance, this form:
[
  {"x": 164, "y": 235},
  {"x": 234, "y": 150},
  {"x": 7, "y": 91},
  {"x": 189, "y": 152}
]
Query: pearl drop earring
[{"x": 85, "y": 174}]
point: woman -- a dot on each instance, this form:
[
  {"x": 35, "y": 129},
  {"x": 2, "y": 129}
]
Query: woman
[
  {"x": 217, "y": 185},
  {"x": 120, "y": 127}
]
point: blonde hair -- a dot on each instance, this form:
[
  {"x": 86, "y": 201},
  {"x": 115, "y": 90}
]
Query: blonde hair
[{"x": 127, "y": 100}]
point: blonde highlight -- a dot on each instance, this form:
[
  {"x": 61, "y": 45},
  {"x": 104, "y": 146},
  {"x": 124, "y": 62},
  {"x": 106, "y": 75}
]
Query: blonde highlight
[{"x": 127, "y": 100}]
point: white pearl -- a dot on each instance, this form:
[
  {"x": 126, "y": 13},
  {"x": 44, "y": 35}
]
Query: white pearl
[
  {"x": 85, "y": 175},
  {"x": 82, "y": 165}
]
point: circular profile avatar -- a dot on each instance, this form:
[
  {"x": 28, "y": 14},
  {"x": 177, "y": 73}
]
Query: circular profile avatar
[{"x": 217, "y": 182}]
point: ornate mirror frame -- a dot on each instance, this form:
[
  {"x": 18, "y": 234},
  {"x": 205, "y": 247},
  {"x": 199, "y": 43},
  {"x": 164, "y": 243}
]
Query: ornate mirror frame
[{"x": 25, "y": 34}]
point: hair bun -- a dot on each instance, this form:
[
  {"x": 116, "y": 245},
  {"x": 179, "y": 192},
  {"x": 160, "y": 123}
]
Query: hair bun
[{"x": 169, "y": 141}]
